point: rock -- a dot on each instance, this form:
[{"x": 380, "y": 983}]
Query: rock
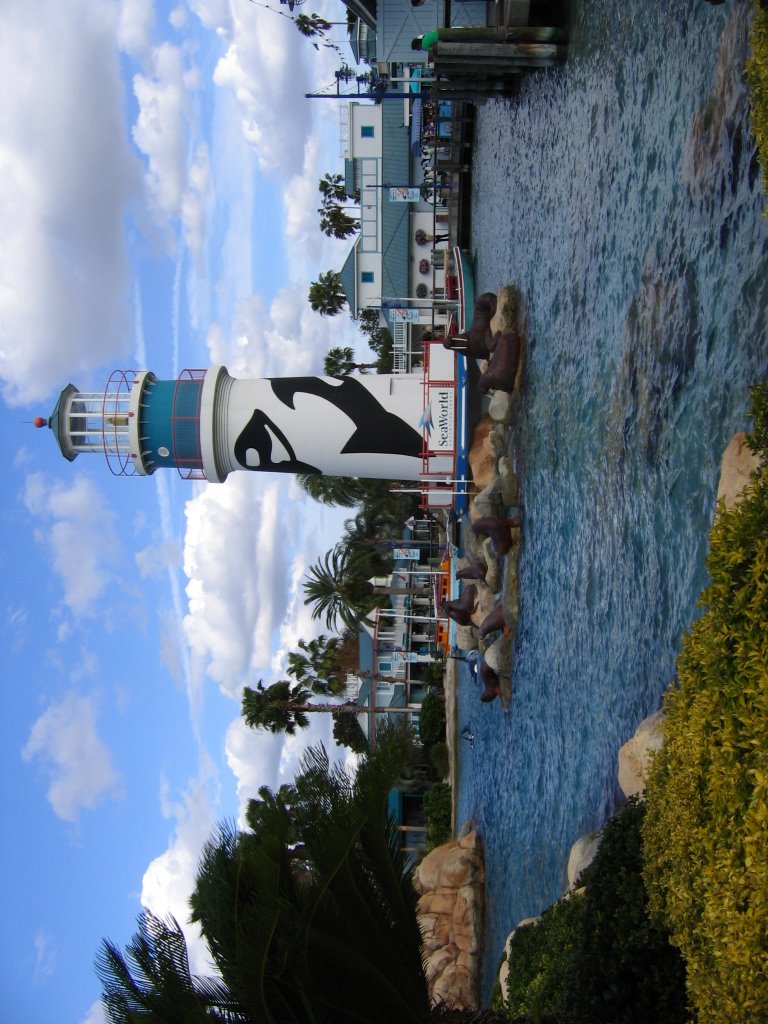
[
  {"x": 450, "y": 880},
  {"x": 508, "y": 483},
  {"x": 581, "y": 856},
  {"x": 504, "y": 969},
  {"x": 500, "y": 407},
  {"x": 506, "y": 309},
  {"x": 482, "y": 455},
  {"x": 466, "y": 638},
  {"x": 489, "y": 502},
  {"x": 739, "y": 462},
  {"x": 635, "y": 755}
]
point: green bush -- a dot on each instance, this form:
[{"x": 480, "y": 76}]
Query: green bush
[
  {"x": 540, "y": 960},
  {"x": 432, "y": 720},
  {"x": 596, "y": 957},
  {"x": 438, "y": 809},
  {"x": 706, "y": 829},
  {"x": 756, "y": 74},
  {"x": 438, "y": 755},
  {"x": 624, "y": 967}
]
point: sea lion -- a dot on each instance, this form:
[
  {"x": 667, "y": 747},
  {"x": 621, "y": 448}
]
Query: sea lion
[
  {"x": 479, "y": 341},
  {"x": 461, "y": 609},
  {"x": 497, "y": 528},
  {"x": 502, "y": 369},
  {"x": 473, "y": 571},
  {"x": 493, "y": 621},
  {"x": 491, "y": 685}
]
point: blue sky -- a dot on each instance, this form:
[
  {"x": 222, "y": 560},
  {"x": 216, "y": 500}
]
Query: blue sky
[{"x": 159, "y": 169}]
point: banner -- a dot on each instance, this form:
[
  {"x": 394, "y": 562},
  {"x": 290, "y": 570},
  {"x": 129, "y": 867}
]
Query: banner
[
  {"x": 405, "y": 315},
  {"x": 404, "y": 194},
  {"x": 406, "y": 553}
]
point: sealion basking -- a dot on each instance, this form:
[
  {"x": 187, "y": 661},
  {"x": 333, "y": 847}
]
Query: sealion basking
[
  {"x": 473, "y": 571},
  {"x": 461, "y": 609},
  {"x": 491, "y": 685},
  {"x": 492, "y": 622},
  {"x": 479, "y": 341},
  {"x": 497, "y": 528},
  {"x": 502, "y": 369}
]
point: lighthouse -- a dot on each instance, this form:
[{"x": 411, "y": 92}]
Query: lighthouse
[{"x": 206, "y": 424}]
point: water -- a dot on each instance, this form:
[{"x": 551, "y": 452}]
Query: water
[{"x": 622, "y": 197}]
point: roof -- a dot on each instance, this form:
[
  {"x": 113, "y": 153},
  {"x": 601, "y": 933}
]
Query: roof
[{"x": 396, "y": 170}]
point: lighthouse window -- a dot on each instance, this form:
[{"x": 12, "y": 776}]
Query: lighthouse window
[
  {"x": 367, "y": 277},
  {"x": 366, "y": 131}
]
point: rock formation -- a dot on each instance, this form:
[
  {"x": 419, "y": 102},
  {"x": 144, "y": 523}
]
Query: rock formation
[
  {"x": 450, "y": 885},
  {"x": 635, "y": 756}
]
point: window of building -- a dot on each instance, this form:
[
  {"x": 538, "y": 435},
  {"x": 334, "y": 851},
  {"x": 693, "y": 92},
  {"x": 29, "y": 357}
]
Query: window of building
[
  {"x": 367, "y": 277},
  {"x": 366, "y": 131}
]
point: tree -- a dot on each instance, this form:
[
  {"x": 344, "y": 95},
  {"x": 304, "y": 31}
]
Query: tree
[
  {"x": 326, "y": 295},
  {"x": 332, "y": 188},
  {"x": 348, "y": 732},
  {"x": 323, "y": 664},
  {"x": 337, "y": 587},
  {"x": 311, "y": 25},
  {"x": 280, "y": 707},
  {"x": 152, "y": 983},
  {"x": 336, "y": 222},
  {"x": 340, "y": 361}
]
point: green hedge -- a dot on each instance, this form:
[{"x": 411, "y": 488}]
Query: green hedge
[
  {"x": 437, "y": 809},
  {"x": 597, "y": 958},
  {"x": 706, "y": 831}
]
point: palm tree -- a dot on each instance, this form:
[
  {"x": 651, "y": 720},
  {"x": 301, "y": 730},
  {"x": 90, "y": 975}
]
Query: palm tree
[
  {"x": 280, "y": 707},
  {"x": 311, "y": 25},
  {"x": 340, "y": 361},
  {"x": 326, "y": 295},
  {"x": 337, "y": 587},
  {"x": 331, "y": 938},
  {"x": 152, "y": 983},
  {"x": 324, "y": 663},
  {"x": 331, "y": 490},
  {"x": 336, "y": 223}
]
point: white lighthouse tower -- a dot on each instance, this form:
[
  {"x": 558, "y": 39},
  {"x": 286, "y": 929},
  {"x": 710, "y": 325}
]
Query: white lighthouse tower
[{"x": 206, "y": 424}]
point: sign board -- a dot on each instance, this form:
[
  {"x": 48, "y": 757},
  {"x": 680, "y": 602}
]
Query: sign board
[
  {"x": 442, "y": 403},
  {"x": 406, "y": 553},
  {"x": 404, "y": 194},
  {"x": 405, "y": 315}
]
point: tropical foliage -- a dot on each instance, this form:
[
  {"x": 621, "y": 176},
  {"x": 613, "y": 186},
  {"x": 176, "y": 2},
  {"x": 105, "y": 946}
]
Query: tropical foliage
[
  {"x": 756, "y": 73},
  {"x": 706, "y": 832},
  {"x": 310, "y": 915},
  {"x": 597, "y": 957},
  {"x": 338, "y": 588},
  {"x": 438, "y": 806},
  {"x": 341, "y": 361},
  {"x": 326, "y": 295},
  {"x": 324, "y": 663}
]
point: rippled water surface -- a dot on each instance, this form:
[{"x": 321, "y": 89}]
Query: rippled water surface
[{"x": 622, "y": 197}]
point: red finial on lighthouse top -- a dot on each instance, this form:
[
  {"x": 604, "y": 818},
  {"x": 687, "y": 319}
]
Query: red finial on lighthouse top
[{"x": 40, "y": 421}]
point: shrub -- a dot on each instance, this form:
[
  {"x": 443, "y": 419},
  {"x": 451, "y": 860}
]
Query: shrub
[
  {"x": 756, "y": 74},
  {"x": 540, "y": 959},
  {"x": 438, "y": 806},
  {"x": 596, "y": 957},
  {"x": 706, "y": 829},
  {"x": 432, "y": 719},
  {"x": 624, "y": 967},
  {"x": 438, "y": 755}
]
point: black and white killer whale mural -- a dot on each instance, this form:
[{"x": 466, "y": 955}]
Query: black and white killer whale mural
[{"x": 351, "y": 420}]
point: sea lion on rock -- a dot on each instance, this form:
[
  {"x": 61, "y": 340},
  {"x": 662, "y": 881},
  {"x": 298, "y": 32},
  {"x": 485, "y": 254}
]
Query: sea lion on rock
[
  {"x": 497, "y": 528},
  {"x": 502, "y": 369},
  {"x": 479, "y": 341},
  {"x": 491, "y": 685},
  {"x": 473, "y": 571},
  {"x": 461, "y": 609},
  {"x": 493, "y": 621}
]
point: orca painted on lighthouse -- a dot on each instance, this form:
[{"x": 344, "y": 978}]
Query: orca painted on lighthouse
[{"x": 206, "y": 424}]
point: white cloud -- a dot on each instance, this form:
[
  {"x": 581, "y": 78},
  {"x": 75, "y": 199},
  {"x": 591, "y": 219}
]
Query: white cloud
[
  {"x": 46, "y": 954},
  {"x": 154, "y": 560},
  {"x": 159, "y": 128},
  {"x": 66, "y": 177},
  {"x": 265, "y": 70},
  {"x": 71, "y": 513},
  {"x": 136, "y": 20},
  {"x": 78, "y": 763},
  {"x": 234, "y": 558},
  {"x": 95, "y": 1014},
  {"x": 169, "y": 880}
]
